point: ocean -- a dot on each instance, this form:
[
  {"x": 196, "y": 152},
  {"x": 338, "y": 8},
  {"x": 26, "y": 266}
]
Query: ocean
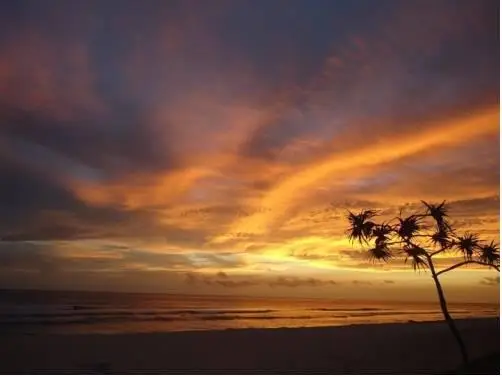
[{"x": 34, "y": 312}]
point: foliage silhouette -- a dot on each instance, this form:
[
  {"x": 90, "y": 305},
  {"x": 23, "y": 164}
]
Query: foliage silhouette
[{"x": 419, "y": 238}]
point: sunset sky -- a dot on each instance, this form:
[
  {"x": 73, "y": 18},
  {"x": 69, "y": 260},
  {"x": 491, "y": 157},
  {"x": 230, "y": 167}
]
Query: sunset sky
[{"x": 215, "y": 146}]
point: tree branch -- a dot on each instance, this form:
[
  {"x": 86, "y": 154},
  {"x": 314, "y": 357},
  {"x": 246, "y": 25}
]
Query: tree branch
[{"x": 467, "y": 262}]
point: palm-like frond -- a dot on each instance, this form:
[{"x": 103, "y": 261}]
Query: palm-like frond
[
  {"x": 490, "y": 254},
  {"x": 380, "y": 253},
  {"x": 382, "y": 232},
  {"x": 409, "y": 227},
  {"x": 467, "y": 244},
  {"x": 439, "y": 212},
  {"x": 441, "y": 238},
  {"x": 361, "y": 226},
  {"x": 417, "y": 256}
]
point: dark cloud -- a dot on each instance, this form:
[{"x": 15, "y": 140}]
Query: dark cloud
[
  {"x": 94, "y": 256},
  {"x": 222, "y": 259},
  {"x": 436, "y": 46},
  {"x": 38, "y": 265},
  {"x": 116, "y": 145},
  {"x": 293, "y": 282},
  {"x": 361, "y": 282},
  {"x": 287, "y": 29},
  {"x": 237, "y": 282},
  {"x": 24, "y": 193},
  {"x": 490, "y": 280},
  {"x": 221, "y": 279},
  {"x": 41, "y": 154},
  {"x": 34, "y": 206},
  {"x": 26, "y": 257},
  {"x": 222, "y": 275},
  {"x": 191, "y": 278},
  {"x": 472, "y": 207},
  {"x": 356, "y": 254},
  {"x": 156, "y": 260},
  {"x": 267, "y": 141},
  {"x": 389, "y": 282}
]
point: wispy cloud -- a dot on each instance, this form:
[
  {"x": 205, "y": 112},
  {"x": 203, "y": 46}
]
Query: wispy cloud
[
  {"x": 233, "y": 137},
  {"x": 490, "y": 280}
]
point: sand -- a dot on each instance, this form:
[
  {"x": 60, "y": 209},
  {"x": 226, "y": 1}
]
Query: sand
[{"x": 386, "y": 348}]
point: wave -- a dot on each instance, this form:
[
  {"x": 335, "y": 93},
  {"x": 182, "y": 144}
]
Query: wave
[
  {"x": 69, "y": 315},
  {"x": 105, "y": 313},
  {"x": 349, "y": 309},
  {"x": 158, "y": 317},
  {"x": 94, "y": 320}
]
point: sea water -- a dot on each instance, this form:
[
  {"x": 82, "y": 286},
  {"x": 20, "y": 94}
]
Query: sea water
[{"x": 24, "y": 311}]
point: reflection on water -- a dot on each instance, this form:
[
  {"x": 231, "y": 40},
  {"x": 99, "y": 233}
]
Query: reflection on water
[{"x": 92, "y": 312}]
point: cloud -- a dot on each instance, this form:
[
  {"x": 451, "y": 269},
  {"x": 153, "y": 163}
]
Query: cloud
[
  {"x": 224, "y": 280},
  {"x": 490, "y": 281},
  {"x": 40, "y": 73},
  {"x": 233, "y": 137},
  {"x": 293, "y": 282},
  {"x": 342, "y": 164},
  {"x": 222, "y": 275},
  {"x": 93, "y": 255},
  {"x": 25, "y": 257}
]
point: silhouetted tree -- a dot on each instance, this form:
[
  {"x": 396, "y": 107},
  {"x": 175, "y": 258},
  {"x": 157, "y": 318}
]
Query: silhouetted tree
[{"x": 419, "y": 238}]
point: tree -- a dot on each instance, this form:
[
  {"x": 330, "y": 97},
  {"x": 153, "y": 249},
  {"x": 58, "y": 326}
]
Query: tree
[{"x": 421, "y": 237}]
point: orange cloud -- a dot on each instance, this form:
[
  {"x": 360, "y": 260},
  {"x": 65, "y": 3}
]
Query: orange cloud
[
  {"x": 263, "y": 150},
  {"x": 140, "y": 191},
  {"x": 439, "y": 135}
]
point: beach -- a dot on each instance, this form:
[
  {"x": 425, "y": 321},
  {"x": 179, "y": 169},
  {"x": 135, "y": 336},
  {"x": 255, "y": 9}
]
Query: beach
[{"x": 426, "y": 347}]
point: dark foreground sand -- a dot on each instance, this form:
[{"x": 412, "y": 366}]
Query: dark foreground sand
[{"x": 389, "y": 348}]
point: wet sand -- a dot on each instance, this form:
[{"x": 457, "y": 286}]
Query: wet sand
[{"x": 386, "y": 348}]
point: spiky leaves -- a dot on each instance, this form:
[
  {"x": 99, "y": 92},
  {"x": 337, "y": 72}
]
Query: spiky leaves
[
  {"x": 490, "y": 254},
  {"x": 409, "y": 227},
  {"x": 409, "y": 235},
  {"x": 381, "y": 251},
  {"x": 467, "y": 244},
  {"x": 470, "y": 246},
  {"x": 441, "y": 238},
  {"x": 382, "y": 232},
  {"x": 439, "y": 212},
  {"x": 417, "y": 255},
  {"x": 361, "y": 226}
]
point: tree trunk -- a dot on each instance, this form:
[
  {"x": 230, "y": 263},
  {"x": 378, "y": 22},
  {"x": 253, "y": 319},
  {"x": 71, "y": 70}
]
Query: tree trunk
[{"x": 446, "y": 314}]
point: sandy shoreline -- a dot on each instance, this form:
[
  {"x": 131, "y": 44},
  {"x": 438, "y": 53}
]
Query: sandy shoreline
[{"x": 384, "y": 348}]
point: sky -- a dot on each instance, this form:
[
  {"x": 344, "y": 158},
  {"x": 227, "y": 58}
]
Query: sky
[{"x": 214, "y": 147}]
